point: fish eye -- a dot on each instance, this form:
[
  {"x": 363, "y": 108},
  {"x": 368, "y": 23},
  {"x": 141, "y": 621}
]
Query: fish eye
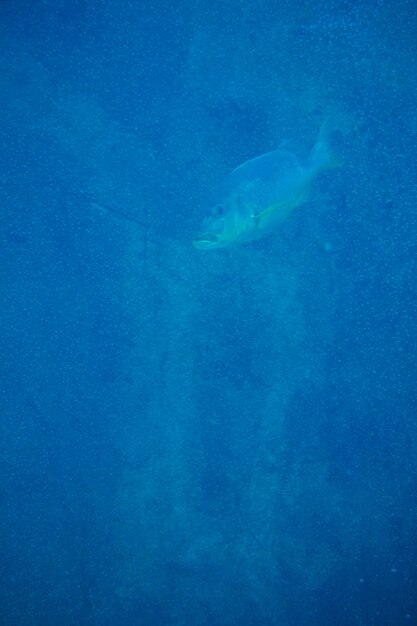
[{"x": 218, "y": 211}]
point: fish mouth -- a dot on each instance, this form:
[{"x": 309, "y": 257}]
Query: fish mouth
[{"x": 206, "y": 241}]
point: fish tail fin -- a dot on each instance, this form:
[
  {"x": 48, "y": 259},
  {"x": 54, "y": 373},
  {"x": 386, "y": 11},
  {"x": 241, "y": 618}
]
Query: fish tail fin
[{"x": 323, "y": 156}]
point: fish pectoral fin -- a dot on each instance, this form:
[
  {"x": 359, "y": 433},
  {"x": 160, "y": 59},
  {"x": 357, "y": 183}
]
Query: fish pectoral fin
[
  {"x": 265, "y": 214},
  {"x": 303, "y": 197}
]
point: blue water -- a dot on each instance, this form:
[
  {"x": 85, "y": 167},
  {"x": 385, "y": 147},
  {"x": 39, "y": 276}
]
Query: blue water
[{"x": 215, "y": 438}]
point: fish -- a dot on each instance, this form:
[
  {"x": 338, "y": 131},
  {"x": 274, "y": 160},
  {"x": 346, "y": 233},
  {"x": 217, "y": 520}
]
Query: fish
[{"x": 254, "y": 199}]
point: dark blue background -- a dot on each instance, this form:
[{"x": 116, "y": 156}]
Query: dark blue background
[{"x": 194, "y": 438}]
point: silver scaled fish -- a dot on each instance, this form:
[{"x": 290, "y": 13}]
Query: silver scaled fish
[{"x": 256, "y": 197}]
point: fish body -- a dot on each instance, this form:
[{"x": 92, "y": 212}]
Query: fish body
[{"x": 256, "y": 197}]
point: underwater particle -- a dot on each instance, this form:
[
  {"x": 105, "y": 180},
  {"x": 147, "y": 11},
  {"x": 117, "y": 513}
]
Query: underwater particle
[{"x": 256, "y": 197}]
